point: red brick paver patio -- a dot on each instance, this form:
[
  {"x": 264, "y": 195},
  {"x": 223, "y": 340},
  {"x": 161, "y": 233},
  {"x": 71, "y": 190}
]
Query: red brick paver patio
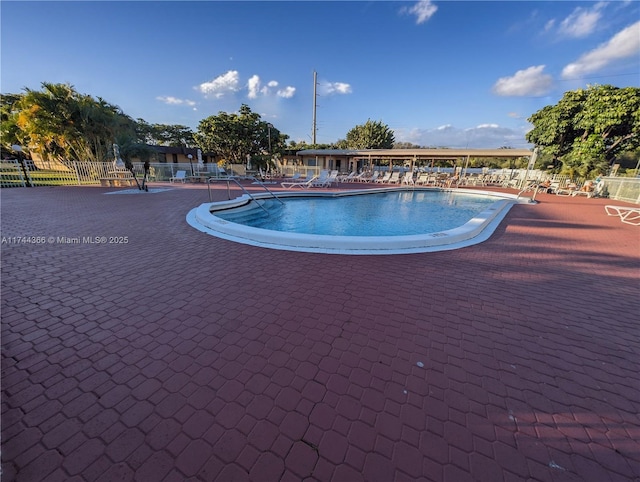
[{"x": 179, "y": 356}]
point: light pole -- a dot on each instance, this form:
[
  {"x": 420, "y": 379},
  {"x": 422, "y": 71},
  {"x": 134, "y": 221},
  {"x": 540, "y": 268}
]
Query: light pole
[{"x": 269, "y": 126}]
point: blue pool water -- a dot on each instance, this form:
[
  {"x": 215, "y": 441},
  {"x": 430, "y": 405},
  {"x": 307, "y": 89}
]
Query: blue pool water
[{"x": 380, "y": 214}]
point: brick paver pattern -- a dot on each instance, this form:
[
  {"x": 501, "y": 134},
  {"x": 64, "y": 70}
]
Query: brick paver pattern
[{"x": 180, "y": 356}]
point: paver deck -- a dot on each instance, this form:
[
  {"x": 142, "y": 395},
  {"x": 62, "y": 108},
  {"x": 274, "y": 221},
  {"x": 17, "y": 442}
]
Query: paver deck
[{"x": 178, "y": 356}]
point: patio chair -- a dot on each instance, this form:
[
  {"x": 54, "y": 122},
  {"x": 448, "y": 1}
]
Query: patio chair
[
  {"x": 371, "y": 179},
  {"x": 333, "y": 177},
  {"x": 384, "y": 178},
  {"x": 295, "y": 178},
  {"x": 395, "y": 178},
  {"x": 627, "y": 215},
  {"x": 180, "y": 176},
  {"x": 301, "y": 185},
  {"x": 347, "y": 177},
  {"x": 423, "y": 178},
  {"x": 407, "y": 178},
  {"x": 321, "y": 180}
]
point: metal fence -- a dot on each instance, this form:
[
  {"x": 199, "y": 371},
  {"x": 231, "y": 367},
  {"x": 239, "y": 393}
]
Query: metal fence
[
  {"x": 13, "y": 173},
  {"x": 623, "y": 188}
]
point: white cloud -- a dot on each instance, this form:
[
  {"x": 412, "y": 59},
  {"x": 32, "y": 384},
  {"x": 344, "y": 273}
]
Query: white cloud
[
  {"x": 255, "y": 88},
  {"x": 175, "y": 101},
  {"x": 229, "y": 83},
  {"x": 582, "y": 22},
  {"x": 423, "y": 10},
  {"x": 287, "y": 92},
  {"x": 253, "y": 85},
  {"x": 549, "y": 25},
  {"x": 528, "y": 82},
  {"x": 624, "y": 44},
  {"x": 484, "y": 136},
  {"x": 331, "y": 88},
  {"x": 222, "y": 85}
]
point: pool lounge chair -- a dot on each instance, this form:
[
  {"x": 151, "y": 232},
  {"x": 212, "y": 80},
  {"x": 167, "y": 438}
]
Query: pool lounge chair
[
  {"x": 300, "y": 184},
  {"x": 422, "y": 179},
  {"x": 372, "y": 178},
  {"x": 395, "y": 178},
  {"x": 347, "y": 178},
  {"x": 180, "y": 176},
  {"x": 328, "y": 180},
  {"x": 295, "y": 178},
  {"x": 407, "y": 178},
  {"x": 627, "y": 215},
  {"x": 321, "y": 180},
  {"x": 385, "y": 177}
]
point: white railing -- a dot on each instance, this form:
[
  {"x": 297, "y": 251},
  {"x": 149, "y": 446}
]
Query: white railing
[
  {"x": 11, "y": 174},
  {"x": 86, "y": 173}
]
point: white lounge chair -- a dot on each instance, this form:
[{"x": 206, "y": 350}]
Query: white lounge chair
[
  {"x": 627, "y": 215},
  {"x": 423, "y": 178},
  {"x": 347, "y": 178},
  {"x": 395, "y": 178},
  {"x": 384, "y": 178},
  {"x": 180, "y": 176},
  {"x": 371, "y": 178},
  {"x": 333, "y": 177},
  {"x": 301, "y": 185},
  {"x": 407, "y": 178},
  {"x": 295, "y": 178},
  {"x": 321, "y": 180}
]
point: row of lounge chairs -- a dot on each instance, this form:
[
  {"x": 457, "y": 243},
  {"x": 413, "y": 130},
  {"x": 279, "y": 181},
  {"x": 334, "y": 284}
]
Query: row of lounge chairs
[
  {"x": 324, "y": 179},
  {"x": 327, "y": 178}
]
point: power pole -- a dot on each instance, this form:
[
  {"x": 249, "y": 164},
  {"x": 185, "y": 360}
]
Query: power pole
[{"x": 314, "y": 128}]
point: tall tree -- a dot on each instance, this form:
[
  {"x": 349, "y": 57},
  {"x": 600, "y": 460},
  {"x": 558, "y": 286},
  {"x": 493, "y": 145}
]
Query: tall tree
[
  {"x": 173, "y": 135},
  {"x": 238, "y": 136},
  {"x": 61, "y": 124},
  {"x": 588, "y": 128},
  {"x": 370, "y": 135}
]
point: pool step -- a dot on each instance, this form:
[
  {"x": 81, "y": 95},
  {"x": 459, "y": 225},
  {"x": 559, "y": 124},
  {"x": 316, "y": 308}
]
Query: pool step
[{"x": 256, "y": 216}]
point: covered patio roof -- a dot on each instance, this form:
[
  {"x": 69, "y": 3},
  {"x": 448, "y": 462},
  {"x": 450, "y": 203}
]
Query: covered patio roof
[{"x": 417, "y": 154}]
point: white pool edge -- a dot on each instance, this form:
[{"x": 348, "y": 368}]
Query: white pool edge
[{"x": 475, "y": 231}]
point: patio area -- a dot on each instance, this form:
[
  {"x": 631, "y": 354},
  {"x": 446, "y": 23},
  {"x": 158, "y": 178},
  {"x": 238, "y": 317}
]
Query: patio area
[{"x": 135, "y": 347}]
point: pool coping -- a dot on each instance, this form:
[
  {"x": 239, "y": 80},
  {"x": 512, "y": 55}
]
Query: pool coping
[{"x": 475, "y": 231}]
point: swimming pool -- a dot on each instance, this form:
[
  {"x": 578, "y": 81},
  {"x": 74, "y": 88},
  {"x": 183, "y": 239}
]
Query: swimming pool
[
  {"x": 392, "y": 213},
  {"x": 377, "y": 221}
]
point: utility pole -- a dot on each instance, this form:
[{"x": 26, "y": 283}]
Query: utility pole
[{"x": 314, "y": 128}]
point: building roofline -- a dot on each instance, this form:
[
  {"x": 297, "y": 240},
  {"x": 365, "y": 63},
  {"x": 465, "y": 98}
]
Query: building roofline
[{"x": 418, "y": 153}]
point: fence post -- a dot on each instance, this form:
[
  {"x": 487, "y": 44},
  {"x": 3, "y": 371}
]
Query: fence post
[{"x": 75, "y": 168}]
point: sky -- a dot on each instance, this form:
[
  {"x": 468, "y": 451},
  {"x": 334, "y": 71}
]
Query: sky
[{"x": 438, "y": 73}]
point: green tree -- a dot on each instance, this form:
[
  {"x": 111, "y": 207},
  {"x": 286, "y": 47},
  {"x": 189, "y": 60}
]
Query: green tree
[
  {"x": 173, "y": 135},
  {"x": 588, "y": 128},
  {"x": 9, "y": 130},
  {"x": 61, "y": 124},
  {"x": 303, "y": 146},
  {"x": 238, "y": 136},
  {"x": 406, "y": 145},
  {"x": 370, "y": 135}
]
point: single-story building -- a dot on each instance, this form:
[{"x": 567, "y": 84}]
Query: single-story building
[{"x": 349, "y": 160}]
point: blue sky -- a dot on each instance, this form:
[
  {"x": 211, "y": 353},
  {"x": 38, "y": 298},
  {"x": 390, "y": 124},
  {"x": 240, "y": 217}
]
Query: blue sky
[{"x": 439, "y": 73}]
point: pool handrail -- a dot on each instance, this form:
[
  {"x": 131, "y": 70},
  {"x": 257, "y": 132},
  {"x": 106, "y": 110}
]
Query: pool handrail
[{"x": 232, "y": 178}]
